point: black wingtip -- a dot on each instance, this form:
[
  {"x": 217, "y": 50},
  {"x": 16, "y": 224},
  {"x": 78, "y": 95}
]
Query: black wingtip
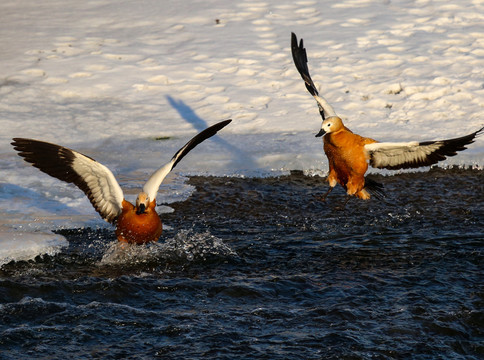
[
  {"x": 200, "y": 137},
  {"x": 300, "y": 58},
  {"x": 18, "y": 142},
  {"x": 450, "y": 147},
  {"x": 220, "y": 125}
]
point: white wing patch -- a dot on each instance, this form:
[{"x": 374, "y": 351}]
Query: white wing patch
[
  {"x": 93, "y": 178},
  {"x": 401, "y": 155},
  {"x": 153, "y": 184},
  {"x": 105, "y": 193},
  {"x": 325, "y": 106}
]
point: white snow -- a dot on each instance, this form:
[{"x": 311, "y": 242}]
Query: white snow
[{"x": 108, "y": 77}]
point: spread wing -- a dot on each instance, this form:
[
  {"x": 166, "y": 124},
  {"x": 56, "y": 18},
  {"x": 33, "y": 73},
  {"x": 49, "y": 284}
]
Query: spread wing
[
  {"x": 300, "y": 59},
  {"x": 93, "y": 178},
  {"x": 153, "y": 184},
  {"x": 395, "y": 156}
]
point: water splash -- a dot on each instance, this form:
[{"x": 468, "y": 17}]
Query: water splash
[{"x": 187, "y": 245}]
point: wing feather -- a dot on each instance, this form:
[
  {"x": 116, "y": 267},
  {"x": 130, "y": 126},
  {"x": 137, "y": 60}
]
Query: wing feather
[
  {"x": 93, "y": 178},
  {"x": 396, "y": 156},
  {"x": 300, "y": 59},
  {"x": 153, "y": 184}
]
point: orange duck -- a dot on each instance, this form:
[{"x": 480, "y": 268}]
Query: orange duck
[
  {"x": 139, "y": 223},
  {"x": 349, "y": 154}
]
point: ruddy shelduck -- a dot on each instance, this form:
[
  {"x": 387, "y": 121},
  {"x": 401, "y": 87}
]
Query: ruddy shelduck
[
  {"x": 349, "y": 154},
  {"x": 139, "y": 223}
]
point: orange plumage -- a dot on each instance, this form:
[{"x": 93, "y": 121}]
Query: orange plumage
[
  {"x": 350, "y": 154},
  {"x": 132, "y": 227},
  {"x": 347, "y": 160}
]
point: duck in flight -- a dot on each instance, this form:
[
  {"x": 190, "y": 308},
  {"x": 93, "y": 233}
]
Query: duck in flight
[
  {"x": 349, "y": 154},
  {"x": 139, "y": 223}
]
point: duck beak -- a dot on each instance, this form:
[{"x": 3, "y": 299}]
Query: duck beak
[
  {"x": 141, "y": 209},
  {"x": 320, "y": 133}
]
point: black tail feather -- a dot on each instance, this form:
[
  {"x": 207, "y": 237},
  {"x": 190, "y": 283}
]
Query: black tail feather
[{"x": 374, "y": 188}]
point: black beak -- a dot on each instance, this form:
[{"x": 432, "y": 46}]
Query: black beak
[
  {"x": 320, "y": 133},
  {"x": 141, "y": 209}
]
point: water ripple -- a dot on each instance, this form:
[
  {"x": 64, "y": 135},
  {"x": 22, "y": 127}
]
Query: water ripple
[{"x": 256, "y": 268}]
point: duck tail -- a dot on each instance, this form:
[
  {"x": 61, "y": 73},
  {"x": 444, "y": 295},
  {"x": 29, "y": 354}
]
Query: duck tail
[{"x": 375, "y": 188}]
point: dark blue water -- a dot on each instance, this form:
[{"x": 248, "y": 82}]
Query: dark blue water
[{"x": 259, "y": 269}]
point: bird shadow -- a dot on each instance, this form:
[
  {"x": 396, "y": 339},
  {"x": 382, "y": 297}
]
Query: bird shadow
[{"x": 238, "y": 156}]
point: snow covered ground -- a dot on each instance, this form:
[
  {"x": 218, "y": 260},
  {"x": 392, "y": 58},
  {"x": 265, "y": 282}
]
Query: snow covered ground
[{"x": 129, "y": 82}]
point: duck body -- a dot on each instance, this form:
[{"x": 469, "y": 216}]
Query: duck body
[
  {"x": 138, "y": 228},
  {"x": 347, "y": 161}
]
